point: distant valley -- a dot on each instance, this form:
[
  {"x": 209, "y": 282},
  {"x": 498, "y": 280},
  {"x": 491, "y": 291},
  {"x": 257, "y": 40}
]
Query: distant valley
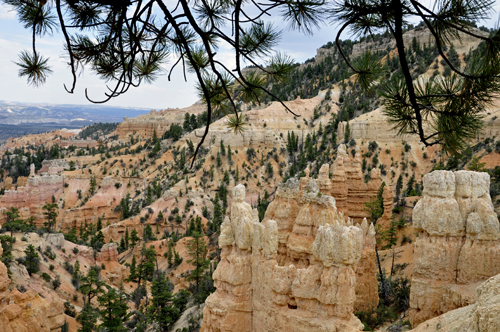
[{"x": 17, "y": 119}]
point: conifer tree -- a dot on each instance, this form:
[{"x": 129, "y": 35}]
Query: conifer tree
[
  {"x": 162, "y": 309},
  {"x": 197, "y": 250},
  {"x": 399, "y": 186},
  {"x": 50, "y": 215},
  {"x": 113, "y": 310},
  {"x": 222, "y": 148},
  {"x": 347, "y": 133},
  {"x": 91, "y": 285},
  {"x": 148, "y": 234},
  {"x": 88, "y": 318},
  {"x": 76, "y": 276},
  {"x": 134, "y": 238},
  {"x": 31, "y": 260},
  {"x": 133, "y": 275},
  {"x": 218, "y": 160},
  {"x": 126, "y": 239}
]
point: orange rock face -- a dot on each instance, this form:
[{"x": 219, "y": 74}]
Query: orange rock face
[
  {"x": 295, "y": 271},
  {"x": 37, "y": 191},
  {"x": 27, "y": 312},
  {"x": 348, "y": 188},
  {"x": 458, "y": 246}
]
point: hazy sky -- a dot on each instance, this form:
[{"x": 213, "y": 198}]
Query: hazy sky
[{"x": 159, "y": 95}]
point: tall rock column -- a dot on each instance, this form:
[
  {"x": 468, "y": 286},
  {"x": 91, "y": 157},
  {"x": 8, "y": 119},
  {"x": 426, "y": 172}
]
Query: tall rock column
[
  {"x": 295, "y": 271},
  {"x": 458, "y": 246}
]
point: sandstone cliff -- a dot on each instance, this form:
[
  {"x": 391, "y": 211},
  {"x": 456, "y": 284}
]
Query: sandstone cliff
[
  {"x": 23, "y": 312},
  {"x": 294, "y": 271},
  {"x": 30, "y": 198},
  {"x": 458, "y": 245},
  {"x": 144, "y": 125}
]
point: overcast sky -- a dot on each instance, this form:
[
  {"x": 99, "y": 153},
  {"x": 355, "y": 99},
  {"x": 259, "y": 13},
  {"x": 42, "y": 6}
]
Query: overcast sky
[{"x": 159, "y": 95}]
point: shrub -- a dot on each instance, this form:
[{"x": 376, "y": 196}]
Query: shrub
[
  {"x": 373, "y": 318},
  {"x": 69, "y": 309},
  {"x": 56, "y": 283},
  {"x": 46, "y": 277},
  {"x": 49, "y": 253}
]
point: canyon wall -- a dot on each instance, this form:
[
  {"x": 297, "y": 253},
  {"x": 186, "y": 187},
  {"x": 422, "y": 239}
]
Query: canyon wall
[
  {"x": 145, "y": 124},
  {"x": 30, "y": 198},
  {"x": 458, "y": 245},
  {"x": 294, "y": 271}
]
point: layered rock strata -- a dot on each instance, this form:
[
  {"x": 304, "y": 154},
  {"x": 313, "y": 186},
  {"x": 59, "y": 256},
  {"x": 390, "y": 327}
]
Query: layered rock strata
[
  {"x": 30, "y": 198},
  {"x": 295, "y": 271},
  {"x": 458, "y": 245},
  {"x": 349, "y": 189}
]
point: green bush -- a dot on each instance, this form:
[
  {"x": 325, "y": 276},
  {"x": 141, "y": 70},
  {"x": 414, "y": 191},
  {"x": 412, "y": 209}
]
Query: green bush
[{"x": 46, "y": 277}]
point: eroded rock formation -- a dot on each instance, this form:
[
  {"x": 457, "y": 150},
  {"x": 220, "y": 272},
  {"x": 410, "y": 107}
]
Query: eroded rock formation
[
  {"x": 37, "y": 191},
  {"x": 458, "y": 245},
  {"x": 482, "y": 316},
  {"x": 349, "y": 189},
  {"x": 295, "y": 271},
  {"x": 23, "y": 312}
]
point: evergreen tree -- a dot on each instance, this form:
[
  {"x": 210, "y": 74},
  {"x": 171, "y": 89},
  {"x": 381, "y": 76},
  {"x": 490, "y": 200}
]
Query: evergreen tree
[
  {"x": 147, "y": 266},
  {"x": 197, "y": 250},
  {"x": 72, "y": 235},
  {"x": 97, "y": 241},
  {"x": 347, "y": 133},
  {"x": 134, "y": 238},
  {"x": 409, "y": 186},
  {"x": 126, "y": 239},
  {"x": 194, "y": 122},
  {"x": 218, "y": 160},
  {"x": 380, "y": 197},
  {"x": 148, "y": 234},
  {"x": 199, "y": 226},
  {"x": 162, "y": 309},
  {"x": 222, "y": 148},
  {"x": 125, "y": 207},
  {"x": 218, "y": 217},
  {"x": 122, "y": 246},
  {"x": 399, "y": 186},
  {"x": 76, "y": 276},
  {"x": 88, "y": 318},
  {"x": 93, "y": 183},
  {"x": 50, "y": 215},
  {"x": 155, "y": 137},
  {"x": 114, "y": 310},
  {"x": 133, "y": 275},
  {"x": 186, "y": 125},
  {"x": 31, "y": 260},
  {"x": 91, "y": 285},
  {"x": 169, "y": 255}
]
